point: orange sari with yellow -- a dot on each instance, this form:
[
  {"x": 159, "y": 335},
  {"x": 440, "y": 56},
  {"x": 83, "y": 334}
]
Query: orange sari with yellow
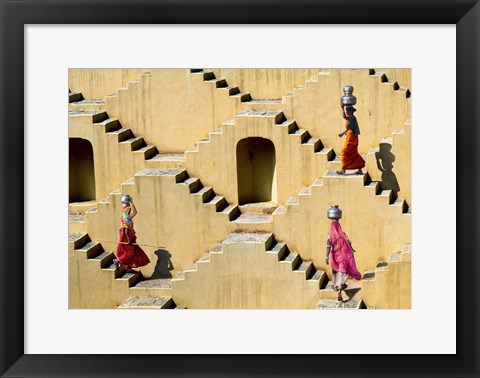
[{"x": 351, "y": 159}]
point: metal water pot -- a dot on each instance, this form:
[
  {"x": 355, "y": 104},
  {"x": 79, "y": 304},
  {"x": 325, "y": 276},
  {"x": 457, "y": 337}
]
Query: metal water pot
[
  {"x": 334, "y": 213},
  {"x": 126, "y": 199},
  {"x": 348, "y": 98}
]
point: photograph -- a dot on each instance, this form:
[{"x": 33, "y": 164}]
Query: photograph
[{"x": 239, "y": 188}]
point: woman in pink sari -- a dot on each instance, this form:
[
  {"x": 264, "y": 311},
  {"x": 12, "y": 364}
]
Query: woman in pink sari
[{"x": 340, "y": 255}]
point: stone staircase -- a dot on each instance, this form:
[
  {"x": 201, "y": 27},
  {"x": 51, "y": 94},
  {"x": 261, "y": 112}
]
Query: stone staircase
[
  {"x": 373, "y": 186},
  {"x": 125, "y": 136},
  {"x": 387, "y": 219},
  {"x": 74, "y": 96},
  {"x": 203, "y": 212},
  {"x": 221, "y": 84},
  {"x": 315, "y": 106},
  {"x": 333, "y": 304},
  {"x": 246, "y": 102},
  {"x": 76, "y": 102},
  {"x": 148, "y": 303},
  {"x": 113, "y": 143},
  {"x": 302, "y": 150},
  {"x": 76, "y": 216},
  {"x": 384, "y": 80},
  {"x": 144, "y": 293},
  {"x": 291, "y": 281},
  {"x": 391, "y": 289}
]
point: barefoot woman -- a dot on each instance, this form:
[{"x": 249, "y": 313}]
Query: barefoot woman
[
  {"x": 351, "y": 159},
  {"x": 340, "y": 254}
]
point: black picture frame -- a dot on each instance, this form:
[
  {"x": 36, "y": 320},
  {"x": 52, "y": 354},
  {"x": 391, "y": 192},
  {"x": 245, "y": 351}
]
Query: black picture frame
[{"x": 15, "y": 14}]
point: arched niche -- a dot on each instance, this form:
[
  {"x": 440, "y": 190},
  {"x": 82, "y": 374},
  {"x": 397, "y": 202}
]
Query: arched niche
[
  {"x": 256, "y": 173},
  {"x": 81, "y": 171}
]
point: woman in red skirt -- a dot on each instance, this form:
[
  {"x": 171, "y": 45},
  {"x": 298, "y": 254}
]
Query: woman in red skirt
[{"x": 129, "y": 254}]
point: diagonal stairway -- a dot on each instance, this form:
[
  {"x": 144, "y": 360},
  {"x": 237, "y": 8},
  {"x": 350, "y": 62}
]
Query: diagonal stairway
[
  {"x": 97, "y": 266},
  {"x": 298, "y": 146},
  {"x": 389, "y": 284},
  {"x": 230, "y": 272}
]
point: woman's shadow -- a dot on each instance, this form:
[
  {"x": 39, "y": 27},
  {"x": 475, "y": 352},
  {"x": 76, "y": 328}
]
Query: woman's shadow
[
  {"x": 164, "y": 265},
  {"x": 385, "y": 160}
]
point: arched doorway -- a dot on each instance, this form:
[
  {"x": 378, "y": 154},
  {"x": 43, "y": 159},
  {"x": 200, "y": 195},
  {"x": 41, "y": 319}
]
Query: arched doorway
[
  {"x": 81, "y": 171},
  {"x": 256, "y": 174}
]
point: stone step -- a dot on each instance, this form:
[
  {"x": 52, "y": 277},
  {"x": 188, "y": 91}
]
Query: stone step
[
  {"x": 80, "y": 207},
  {"x": 219, "y": 202},
  {"x": 279, "y": 250},
  {"x": 131, "y": 278},
  {"x": 219, "y": 83},
  {"x": 193, "y": 183},
  {"x": 96, "y": 116},
  {"x": 386, "y": 194},
  {"x": 392, "y": 83},
  {"x": 206, "y": 75},
  {"x": 333, "y": 304},
  {"x": 230, "y": 90},
  {"x": 266, "y": 101},
  {"x": 168, "y": 156},
  {"x": 368, "y": 276},
  {"x": 291, "y": 258},
  {"x": 307, "y": 268},
  {"x": 104, "y": 259},
  {"x": 316, "y": 143},
  {"x": 79, "y": 239},
  {"x": 148, "y": 151},
  {"x": 75, "y": 97},
  {"x": 292, "y": 201},
  {"x": 206, "y": 194},
  {"x": 291, "y": 125},
  {"x": 117, "y": 272},
  {"x": 91, "y": 249},
  {"x": 93, "y": 104},
  {"x": 77, "y": 223},
  {"x": 154, "y": 283},
  {"x": 135, "y": 143},
  {"x": 76, "y": 218},
  {"x": 232, "y": 211},
  {"x": 249, "y": 237},
  {"x": 149, "y": 302},
  {"x": 244, "y": 97},
  {"x": 122, "y": 134},
  {"x": 218, "y": 249},
  {"x": 179, "y": 174},
  {"x": 303, "y": 134},
  {"x": 319, "y": 276}
]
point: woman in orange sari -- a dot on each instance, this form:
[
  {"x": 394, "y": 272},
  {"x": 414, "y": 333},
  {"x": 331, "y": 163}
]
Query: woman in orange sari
[{"x": 351, "y": 159}]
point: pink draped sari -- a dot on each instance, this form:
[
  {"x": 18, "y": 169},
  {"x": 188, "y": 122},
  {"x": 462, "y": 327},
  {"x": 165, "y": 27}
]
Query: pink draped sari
[{"x": 341, "y": 254}]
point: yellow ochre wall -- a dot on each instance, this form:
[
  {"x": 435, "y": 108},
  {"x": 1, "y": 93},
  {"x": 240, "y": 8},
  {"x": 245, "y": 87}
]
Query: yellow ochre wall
[
  {"x": 176, "y": 109},
  {"x": 96, "y": 83},
  {"x": 374, "y": 226},
  {"x": 266, "y": 83}
]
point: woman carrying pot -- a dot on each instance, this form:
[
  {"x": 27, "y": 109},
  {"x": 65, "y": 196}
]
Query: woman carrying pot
[
  {"x": 340, "y": 254},
  {"x": 129, "y": 253},
  {"x": 351, "y": 159}
]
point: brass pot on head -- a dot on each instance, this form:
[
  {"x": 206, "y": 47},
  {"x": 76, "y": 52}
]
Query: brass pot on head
[
  {"x": 334, "y": 213},
  {"x": 348, "y": 99}
]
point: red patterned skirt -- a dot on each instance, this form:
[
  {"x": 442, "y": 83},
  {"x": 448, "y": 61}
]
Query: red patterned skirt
[{"x": 129, "y": 255}]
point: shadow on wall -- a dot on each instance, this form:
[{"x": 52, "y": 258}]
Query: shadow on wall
[
  {"x": 163, "y": 266},
  {"x": 385, "y": 160}
]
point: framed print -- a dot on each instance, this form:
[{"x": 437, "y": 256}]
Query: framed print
[{"x": 70, "y": 325}]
